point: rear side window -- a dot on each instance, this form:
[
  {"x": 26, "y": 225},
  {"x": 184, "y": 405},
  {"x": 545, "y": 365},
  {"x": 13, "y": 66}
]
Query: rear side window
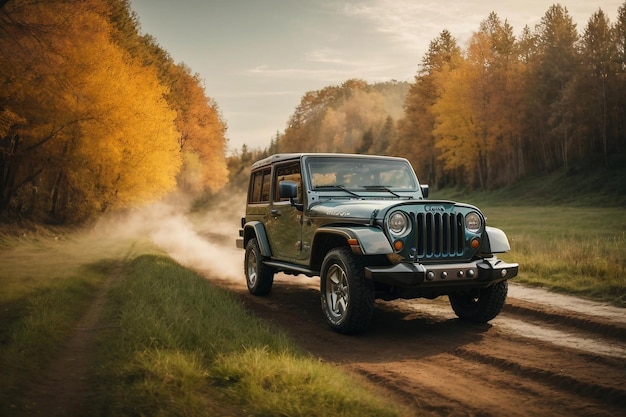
[{"x": 259, "y": 187}]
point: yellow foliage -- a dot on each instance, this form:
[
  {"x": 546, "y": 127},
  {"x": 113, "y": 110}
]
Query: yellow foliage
[
  {"x": 202, "y": 133},
  {"x": 98, "y": 132},
  {"x": 457, "y": 130}
]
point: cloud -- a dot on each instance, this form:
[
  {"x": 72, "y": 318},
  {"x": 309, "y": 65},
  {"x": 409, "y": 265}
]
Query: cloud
[
  {"x": 409, "y": 22},
  {"x": 329, "y": 56},
  {"x": 252, "y": 94},
  {"x": 405, "y": 21},
  {"x": 370, "y": 71},
  {"x": 267, "y": 71}
]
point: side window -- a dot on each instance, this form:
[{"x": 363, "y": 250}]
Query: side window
[
  {"x": 260, "y": 187},
  {"x": 289, "y": 172}
]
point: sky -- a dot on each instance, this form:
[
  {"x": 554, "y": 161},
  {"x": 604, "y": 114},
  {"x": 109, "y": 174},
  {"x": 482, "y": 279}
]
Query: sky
[{"x": 258, "y": 58}]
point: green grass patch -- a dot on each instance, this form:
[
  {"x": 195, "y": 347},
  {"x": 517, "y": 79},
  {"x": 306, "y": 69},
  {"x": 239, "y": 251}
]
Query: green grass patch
[
  {"x": 35, "y": 319},
  {"x": 180, "y": 346},
  {"x": 48, "y": 280}
]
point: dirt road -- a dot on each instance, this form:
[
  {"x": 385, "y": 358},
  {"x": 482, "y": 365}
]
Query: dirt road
[{"x": 544, "y": 355}]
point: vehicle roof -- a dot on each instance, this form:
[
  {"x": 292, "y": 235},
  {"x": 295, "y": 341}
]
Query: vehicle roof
[{"x": 281, "y": 157}]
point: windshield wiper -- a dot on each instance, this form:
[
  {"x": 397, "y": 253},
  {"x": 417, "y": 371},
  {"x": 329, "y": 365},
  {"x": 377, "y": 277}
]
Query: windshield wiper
[
  {"x": 380, "y": 188},
  {"x": 337, "y": 187}
]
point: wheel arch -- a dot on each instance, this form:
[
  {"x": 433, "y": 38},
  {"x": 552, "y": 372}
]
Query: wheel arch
[
  {"x": 256, "y": 230},
  {"x": 370, "y": 241}
]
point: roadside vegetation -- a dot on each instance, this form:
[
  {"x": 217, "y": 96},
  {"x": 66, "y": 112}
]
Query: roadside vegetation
[
  {"x": 170, "y": 342},
  {"x": 178, "y": 345},
  {"x": 567, "y": 233}
]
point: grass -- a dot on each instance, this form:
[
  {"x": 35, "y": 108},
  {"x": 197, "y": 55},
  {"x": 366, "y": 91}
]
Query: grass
[
  {"x": 170, "y": 342},
  {"x": 580, "y": 251},
  {"x": 180, "y": 346},
  {"x": 48, "y": 279}
]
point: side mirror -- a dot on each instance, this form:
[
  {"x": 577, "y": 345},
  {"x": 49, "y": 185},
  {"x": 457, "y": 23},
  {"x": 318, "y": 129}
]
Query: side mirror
[
  {"x": 424, "y": 188},
  {"x": 289, "y": 189}
]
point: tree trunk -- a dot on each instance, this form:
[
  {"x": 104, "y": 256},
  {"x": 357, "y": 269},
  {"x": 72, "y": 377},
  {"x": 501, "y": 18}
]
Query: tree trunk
[{"x": 9, "y": 147}]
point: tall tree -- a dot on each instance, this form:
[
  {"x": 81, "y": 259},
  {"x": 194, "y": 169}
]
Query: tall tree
[
  {"x": 594, "y": 90},
  {"x": 554, "y": 67},
  {"x": 618, "y": 109},
  {"x": 476, "y": 123},
  {"x": 202, "y": 132},
  {"x": 415, "y": 138}
]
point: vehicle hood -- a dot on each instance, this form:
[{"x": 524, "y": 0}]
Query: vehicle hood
[{"x": 376, "y": 209}]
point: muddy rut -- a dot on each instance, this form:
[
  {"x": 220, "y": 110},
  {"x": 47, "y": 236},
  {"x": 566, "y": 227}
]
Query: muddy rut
[{"x": 545, "y": 354}]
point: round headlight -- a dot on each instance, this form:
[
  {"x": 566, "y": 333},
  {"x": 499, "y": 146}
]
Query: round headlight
[
  {"x": 473, "y": 222},
  {"x": 398, "y": 223}
]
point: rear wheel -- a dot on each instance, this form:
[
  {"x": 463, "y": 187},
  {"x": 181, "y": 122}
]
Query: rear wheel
[
  {"x": 347, "y": 296},
  {"x": 259, "y": 276},
  {"x": 479, "y": 305}
]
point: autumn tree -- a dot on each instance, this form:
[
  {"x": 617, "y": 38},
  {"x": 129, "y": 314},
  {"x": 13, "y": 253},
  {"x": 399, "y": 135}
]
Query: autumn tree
[
  {"x": 415, "y": 139},
  {"x": 93, "y": 130},
  {"x": 353, "y": 117},
  {"x": 306, "y": 118},
  {"x": 202, "y": 133},
  {"x": 502, "y": 108},
  {"x": 201, "y": 129},
  {"x": 467, "y": 131}
]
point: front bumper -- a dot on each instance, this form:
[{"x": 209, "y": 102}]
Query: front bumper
[{"x": 479, "y": 273}]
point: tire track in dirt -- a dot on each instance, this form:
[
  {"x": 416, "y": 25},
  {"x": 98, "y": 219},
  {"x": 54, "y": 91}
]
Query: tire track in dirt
[
  {"x": 62, "y": 389},
  {"x": 597, "y": 325}
]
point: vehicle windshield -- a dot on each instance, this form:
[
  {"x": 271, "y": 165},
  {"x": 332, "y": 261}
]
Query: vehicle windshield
[{"x": 365, "y": 174}]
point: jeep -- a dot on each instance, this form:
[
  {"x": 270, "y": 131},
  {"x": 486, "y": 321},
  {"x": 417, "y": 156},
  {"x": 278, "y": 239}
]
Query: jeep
[{"x": 366, "y": 227}]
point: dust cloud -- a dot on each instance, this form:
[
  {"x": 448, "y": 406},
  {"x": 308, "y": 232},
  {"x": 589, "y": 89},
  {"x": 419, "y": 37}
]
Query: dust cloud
[{"x": 203, "y": 240}]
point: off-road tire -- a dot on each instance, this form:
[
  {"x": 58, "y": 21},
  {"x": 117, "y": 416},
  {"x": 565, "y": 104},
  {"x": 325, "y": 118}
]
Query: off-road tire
[
  {"x": 259, "y": 276},
  {"x": 347, "y": 296},
  {"x": 479, "y": 305}
]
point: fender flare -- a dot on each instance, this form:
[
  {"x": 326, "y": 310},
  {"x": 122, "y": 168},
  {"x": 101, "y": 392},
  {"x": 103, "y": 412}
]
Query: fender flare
[
  {"x": 372, "y": 240},
  {"x": 256, "y": 229},
  {"x": 496, "y": 241}
]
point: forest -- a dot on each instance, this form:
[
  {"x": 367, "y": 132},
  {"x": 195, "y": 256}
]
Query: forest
[
  {"x": 489, "y": 114},
  {"x": 95, "y": 116}
]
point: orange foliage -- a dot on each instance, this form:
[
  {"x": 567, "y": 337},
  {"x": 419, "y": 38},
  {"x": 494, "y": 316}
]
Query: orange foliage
[{"x": 86, "y": 127}]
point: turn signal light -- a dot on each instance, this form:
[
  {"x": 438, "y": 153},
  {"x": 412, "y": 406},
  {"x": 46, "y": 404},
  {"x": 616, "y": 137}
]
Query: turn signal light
[
  {"x": 398, "y": 245},
  {"x": 475, "y": 243}
]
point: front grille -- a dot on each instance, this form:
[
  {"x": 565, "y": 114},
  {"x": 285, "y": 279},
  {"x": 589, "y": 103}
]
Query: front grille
[{"x": 439, "y": 235}]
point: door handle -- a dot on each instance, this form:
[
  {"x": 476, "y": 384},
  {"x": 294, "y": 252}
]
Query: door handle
[{"x": 275, "y": 212}]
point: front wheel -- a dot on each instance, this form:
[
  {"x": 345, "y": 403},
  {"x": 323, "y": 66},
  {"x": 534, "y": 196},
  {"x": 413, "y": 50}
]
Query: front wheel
[
  {"x": 347, "y": 296},
  {"x": 259, "y": 276},
  {"x": 479, "y": 305}
]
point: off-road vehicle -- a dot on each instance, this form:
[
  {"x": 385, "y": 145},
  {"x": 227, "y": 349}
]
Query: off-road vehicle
[{"x": 364, "y": 225}]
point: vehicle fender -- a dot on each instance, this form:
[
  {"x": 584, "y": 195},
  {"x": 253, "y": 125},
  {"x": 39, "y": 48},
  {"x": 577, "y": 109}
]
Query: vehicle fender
[
  {"x": 371, "y": 239},
  {"x": 256, "y": 229},
  {"x": 496, "y": 242}
]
